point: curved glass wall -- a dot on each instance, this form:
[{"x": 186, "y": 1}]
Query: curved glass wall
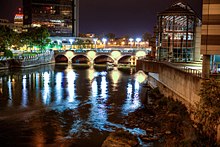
[{"x": 176, "y": 36}]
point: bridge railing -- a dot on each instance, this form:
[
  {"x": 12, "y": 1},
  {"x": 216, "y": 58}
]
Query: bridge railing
[{"x": 107, "y": 50}]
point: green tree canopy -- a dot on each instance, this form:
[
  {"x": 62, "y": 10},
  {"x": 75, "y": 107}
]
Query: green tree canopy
[
  {"x": 37, "y": 36},
  {"x": 6, "y": 37}
]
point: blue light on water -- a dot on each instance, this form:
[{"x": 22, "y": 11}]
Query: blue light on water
[
  {"x": 46, "y": 91},
  {"x": 24, "y": 91}
]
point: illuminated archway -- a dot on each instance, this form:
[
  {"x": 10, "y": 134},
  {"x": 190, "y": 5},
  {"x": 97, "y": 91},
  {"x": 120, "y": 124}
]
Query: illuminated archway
[
  {"x": 125, "y": 59},
  {"x": 80, "y": 59},
  {"x": 103, "y": 59},
  {"x": 61, "y": 59}
]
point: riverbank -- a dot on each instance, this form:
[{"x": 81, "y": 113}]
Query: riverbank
[
  {"x": 27, "y": 61},
  {"x": 166, "y": 122}
]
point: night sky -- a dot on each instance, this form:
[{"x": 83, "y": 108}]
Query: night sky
[{"x": 121, "y": 17}]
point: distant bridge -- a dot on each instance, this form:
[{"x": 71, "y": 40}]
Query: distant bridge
[{"x": 101, "y": 56}]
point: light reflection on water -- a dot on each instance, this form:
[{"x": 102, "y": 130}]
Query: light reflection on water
[{"x": 94, "y": 98}]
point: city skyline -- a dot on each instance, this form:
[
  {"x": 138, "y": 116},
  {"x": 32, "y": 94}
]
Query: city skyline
[{"x": 100, "y": 17}]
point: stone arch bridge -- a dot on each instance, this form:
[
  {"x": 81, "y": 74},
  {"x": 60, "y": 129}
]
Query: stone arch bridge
[{"x": 101, "y": 56}]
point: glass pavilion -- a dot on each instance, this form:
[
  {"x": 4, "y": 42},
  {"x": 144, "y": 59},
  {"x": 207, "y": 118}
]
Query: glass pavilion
[{"x": 176, "y": 34}]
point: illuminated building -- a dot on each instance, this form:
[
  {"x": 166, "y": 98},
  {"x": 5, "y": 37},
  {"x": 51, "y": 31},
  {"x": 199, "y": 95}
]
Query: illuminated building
[
  {"x": 60, "y": 17},
  {"x": 210, "y": 47},
  {"x": 18, "y": 19},
  {"x": 178, "y": 34}
]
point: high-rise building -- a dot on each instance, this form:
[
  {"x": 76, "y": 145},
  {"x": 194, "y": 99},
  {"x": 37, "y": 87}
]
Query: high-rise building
[
  {"x": 210, "y": 46},
  {"x": 60, "y": 17},
  {"x": 18, "y": 19}
]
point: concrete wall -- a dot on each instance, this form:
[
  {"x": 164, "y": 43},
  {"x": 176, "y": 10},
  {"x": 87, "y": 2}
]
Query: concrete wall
[
  {"x": 173, "y": 82},
  {"x": 179, "y": 84}
]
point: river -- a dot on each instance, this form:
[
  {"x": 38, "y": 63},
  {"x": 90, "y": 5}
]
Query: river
[{"x": 66, "y": 105}]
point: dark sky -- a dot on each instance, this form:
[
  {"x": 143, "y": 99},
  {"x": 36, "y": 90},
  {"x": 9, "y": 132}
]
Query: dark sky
[{"x": 122, "y": 17}]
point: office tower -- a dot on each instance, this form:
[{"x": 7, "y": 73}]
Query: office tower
[{"x": 60, "y": 17}]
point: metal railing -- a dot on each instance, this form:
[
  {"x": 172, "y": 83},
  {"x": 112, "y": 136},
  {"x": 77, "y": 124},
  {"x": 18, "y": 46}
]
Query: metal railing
[
  {"x": 192, "y": 71},
  {"x": 186, "y": 69}
]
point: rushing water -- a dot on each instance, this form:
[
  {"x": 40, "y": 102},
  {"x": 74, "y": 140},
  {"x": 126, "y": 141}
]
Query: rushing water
[{"x": 63, "y": 105}]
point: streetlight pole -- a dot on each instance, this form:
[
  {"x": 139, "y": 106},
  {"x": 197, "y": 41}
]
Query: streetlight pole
[
  {"x": 131, "y": 42},
  {"x": 71, "y": 42},
  {"x": 95, "y": 42},
  {"x": 138, "y": 40},
  {"x": 104, "y": 40}
]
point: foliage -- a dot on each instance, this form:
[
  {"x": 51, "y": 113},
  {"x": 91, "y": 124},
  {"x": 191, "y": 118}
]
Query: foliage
[
  {"x": 6, "y": 37},
  {"x": 208, "y": 108},
  {"x": 110, "y": 36},
  {"x": 37, "y": 36},
  {"x": 147, "y": 36},
  {"x": 8, "y": 53}
]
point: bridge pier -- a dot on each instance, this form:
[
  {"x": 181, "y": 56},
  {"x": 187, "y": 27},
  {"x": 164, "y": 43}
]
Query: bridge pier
[{"x": 69, "y": 61}]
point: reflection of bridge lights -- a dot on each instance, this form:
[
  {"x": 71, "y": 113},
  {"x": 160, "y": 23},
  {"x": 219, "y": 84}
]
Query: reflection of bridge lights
[
  {"x": 58, "y": 88},
  {"x": 71, "y": 77},
  {"x": 116, "y": 54},
  {"x": 46, "y": 91},
  {"x": 115, "y": 76},
  {"x": 91, "y": 74},
  {"x": 140, "y": 76},
  {"x": 104, "y": 73}
]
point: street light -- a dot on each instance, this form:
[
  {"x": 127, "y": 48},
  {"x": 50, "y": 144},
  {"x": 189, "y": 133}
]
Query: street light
[
  {"x": 104, "y": 40},
  {"x": 95, "y": 42},
  {"x": 138, "y": 40},
  {"x": 131, "y": 41},
  {"x": 59, "y": 42},
  {"x": 71, "y": 42}
]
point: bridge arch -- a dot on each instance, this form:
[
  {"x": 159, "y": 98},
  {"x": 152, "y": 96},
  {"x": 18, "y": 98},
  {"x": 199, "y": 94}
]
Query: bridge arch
[
  {"x": 125, "y": 59},
  {"x": 61, "y": 59},
  {"x": 103, "y": 59},
  {"x": 80, "y": 59}
]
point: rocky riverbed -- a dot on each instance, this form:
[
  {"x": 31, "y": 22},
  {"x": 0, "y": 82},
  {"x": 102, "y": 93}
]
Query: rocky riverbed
[{"x": 166, "y": 122}]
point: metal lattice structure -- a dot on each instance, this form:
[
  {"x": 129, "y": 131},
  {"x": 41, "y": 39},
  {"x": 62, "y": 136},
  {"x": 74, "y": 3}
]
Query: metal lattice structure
[{"x": 176, "y": 36}]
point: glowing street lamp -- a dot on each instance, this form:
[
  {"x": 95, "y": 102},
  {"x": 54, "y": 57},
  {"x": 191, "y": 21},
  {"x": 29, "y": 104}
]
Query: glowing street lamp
[
  {"x": 71, "y": 42},
  {"x": 95, "y": 42},
  {"x": 59, "y": 42},
  {"x": 104, "y": 40},
  {"x": 131, "y": 41},
  {"x": 138, "y": 40}
]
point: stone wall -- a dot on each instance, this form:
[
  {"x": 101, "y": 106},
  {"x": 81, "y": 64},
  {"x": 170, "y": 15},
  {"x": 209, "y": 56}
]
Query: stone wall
[{"x": 29, "y": 61}]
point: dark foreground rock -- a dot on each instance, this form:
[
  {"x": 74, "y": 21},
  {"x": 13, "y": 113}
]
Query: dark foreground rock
[
  {"x": 166, "y": 122},
  {"x": 120, "y": 138}
]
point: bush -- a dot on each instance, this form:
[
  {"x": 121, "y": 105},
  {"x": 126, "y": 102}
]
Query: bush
[
  {"x": 8, "y": 53},
  {"x": 207, "y": 113}
]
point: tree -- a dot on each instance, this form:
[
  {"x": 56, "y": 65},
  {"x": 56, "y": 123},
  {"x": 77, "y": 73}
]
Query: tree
[
  {"x": 41, "y": 37},
  {"x": 147, "y": 36},
  {"x": 208, "y": 108},
  {"x": 110, "y": 36},
  {"x": 6, "y": 37}
]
